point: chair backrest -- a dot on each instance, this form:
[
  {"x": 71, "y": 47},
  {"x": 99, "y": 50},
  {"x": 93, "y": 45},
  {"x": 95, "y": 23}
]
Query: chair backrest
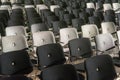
[
  {"x": 89, "y": 30},
  {"x": 100, "y": 68},
  {"x": 15, "y": 30},
  {"x": 116, "y": 7},
  {"x": 108, "y": 27},
  {"x": 42, "y": 38},
  {"x": 80, "y": 47},
  {"x": 60, "y": 72},
  {"x": 16, "y": 62},
  {"x": 39, "y": 27},
  {"x": 67, "y": 34},
  {"x": 107, "y": 6},
  {"x": 104, "y": 42},
  {"x": 52, "y": 7},
  {"x": 13, "y": 43},
  {"x": 118, "y": 35},
  {"x": 90, "y": 5},
  {"x": 50, "y": 55}
]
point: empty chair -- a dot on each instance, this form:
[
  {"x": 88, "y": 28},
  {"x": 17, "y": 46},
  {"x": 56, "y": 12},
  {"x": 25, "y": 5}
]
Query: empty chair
[
  {"x": 67, "y": 34},
  {"x": 109, "y": 18},
  {"x": 13, "y": 43},
  {"x": 51, "y": 19},
  {"x": 52, "y": 7},
  {"x": 77, "y": 23},
  {"x": 68, "y": 18},
  {"x": 57, "y": 25},
  {"x": 90, "y": 5},
  {"x": 56, "y": 11},
  {"x": 108, "y": 27},
  {"x": 64, "y": 72},
  {"x": 107, "y": 6},
  {"x": 50, "y": 55},
  {"x": 39, "y": 27},
  {"x": 99, "y": 14},
  {"x": 95, "y": 20},
  {"x": 116, "y": 7},
  {"x": 18, "y": 62},
  {"x": 105, "y": 45},
  {"x": 89, "y": 30},
  {"x": 84, "y": 15},
  {"x": 15, "y": 30},
  {"x": 76, "y": 12},
  {"x": 102, "y": 68},
  {"x": 90, "y": 11},
  {"x": 42, "y": 38},
  {"x": 80, "y": 49},
  {"x": 110, "y": 12},
  {"x": 41, "y": 7}
]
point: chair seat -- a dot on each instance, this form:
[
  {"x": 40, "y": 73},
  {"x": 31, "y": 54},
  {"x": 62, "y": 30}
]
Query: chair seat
[{"x": 80, "y": 67}]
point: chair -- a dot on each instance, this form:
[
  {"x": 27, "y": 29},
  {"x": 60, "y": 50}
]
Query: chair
[
  {"x": 68, "y": 18},
  {"x": 13, "y": 43},
  {"x": 61, "y": 72},
  {"x": 105, "y": 45},
  {"x": 76, "y": 12},
  {"x": 16, "y": 65},
  {"x": 42, "y": 38},
  {"x": 90, "y": 5},
  {"x": 52, "y": 7},
  {"x": 102, "y": 68},
  {"x": 57, "y": 25},
  {"x": 38, "y": 27},
  {"x": 99, "y": 14},
  {"x": 109, "y": 18},
  {"x": 116, "y": 7},
  {"x": 108, "y": 27},
  {"x": 95, "y": 20},
  {"x": 50, "y": 55},
  {"x": 107, "y": 6},
  {"x": 89, "y": 31},
  {"x": 80, "y": 49},
  {"x": 90, "y": 11},
  {"x": 84, "y": 15},
  {"x": 15, "y": 30},
  {"x": 77, "y": 23},
  {"x": 67, "y": 34}
]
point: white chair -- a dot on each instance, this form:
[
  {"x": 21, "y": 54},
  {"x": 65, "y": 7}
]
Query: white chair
[
  {"x": 105, "y": 44},
  {"x": 15, "y": 30},
  {"x": 41, "y": 7},
  {"x": 52, "y": 7},
  {"x": 6, "y": 7},
  {"x": 29, "y": 6},
  {"x": 90, "y": 5},
  {"x": 4, "y": 1},
  {"x": 118, "y": 35},
  {"x": 13, "y": 1},
  {"x": 13, "y": 43},
  {"x": 67, "y": 34},
  {"x": 109, "y": 27},
  {"x": 89, "y": 31},
  {"x": 116, "y": 7},
  {"x": 42, "y": 38},
  {"x": 107, "y": 6}
]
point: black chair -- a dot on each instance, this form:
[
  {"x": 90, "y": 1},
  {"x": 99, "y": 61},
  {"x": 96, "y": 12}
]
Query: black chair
[
  {"x": 69, "y": 9},
  {"x": 51, "y": 19},
  {"x": 15, "y": 78},
  {"x": 50, "y": 55},
  {"x": 56, "y": 10},
  {"x": 90, "y": 11},
  {"x": 61, "y": 72},
  {"x": 110, "y": 12},
  {"x": 76, "y": 12},
  {"x": 68, "y": 18},
  {"x": 79, "y": 49},
  {"x": 95, "y": 20},
  {"x": 114, "y": 1},
  {"x": 77, "y": 23},
  {"x": 57, "y": 25},
  {"x": 109, "y": 18},
  {"x": 83, "y": 15},
  {"x": 61, "y": 14},
  {"x": 100, "y": 68},
  {"x": 15, "y": 63},
  {"x": 99, "y": 14}
]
